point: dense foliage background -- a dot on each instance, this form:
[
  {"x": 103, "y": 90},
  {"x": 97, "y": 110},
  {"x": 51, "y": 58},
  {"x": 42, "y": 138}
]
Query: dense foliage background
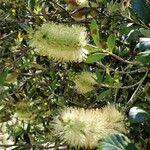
[{"x": 36, "y": 88}]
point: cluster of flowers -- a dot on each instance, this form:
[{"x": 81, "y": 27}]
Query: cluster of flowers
[
  {"x": 84, "y": 128},
  {"x": 77, "y": 127},
  {"x": 65, "y": 43}
]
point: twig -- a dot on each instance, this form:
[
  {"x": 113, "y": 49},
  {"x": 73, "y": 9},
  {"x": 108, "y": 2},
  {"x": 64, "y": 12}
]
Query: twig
[
  {"x": 131, "y": 100},
  {"x": 121, "y": 87},
  {"x": 113, "y": 55},
  {"x": 23, "y": 51},
  {"x": 6, "y": 36},
  {"x": 140, "y": 70},
  {"x": 32, "y": 146},
  {"x": 7, "y": 145},
  {"x": 118, "y": 58},
  {"x": 115, "y": 97},
  {"x": 59, "y": 5}
]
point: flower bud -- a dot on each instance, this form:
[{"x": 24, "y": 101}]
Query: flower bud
[{"x": 85, "y": 82}]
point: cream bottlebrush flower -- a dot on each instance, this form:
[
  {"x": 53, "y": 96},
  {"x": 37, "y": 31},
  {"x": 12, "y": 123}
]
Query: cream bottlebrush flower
[
  {"x": 114, "y": 118},
  {"x": 85, "y": 81},
  {"x": 60, "y": 42},
  {"x": 80, "y": 127}
]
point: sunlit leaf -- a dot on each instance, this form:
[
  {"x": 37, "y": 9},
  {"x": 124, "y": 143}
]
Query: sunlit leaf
[
  {"x": 144, "y": 44},
  {"x": 18, "y": 131},
  {"x": 138, "y": 115},
  {"x": 116, "y": 141},
  {"x": 145, "y": 32},
  {"x": 94, "y": 57}
]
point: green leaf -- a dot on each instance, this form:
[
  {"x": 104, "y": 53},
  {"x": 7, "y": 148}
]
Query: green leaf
[
  {"x": 144, "y": 57},
  {"x": 18, "y": 131},
  {"x": 112, "y": 7},
  {"x": 31, "y": 4},
  {"x": 144, "y": 44},
  {"x": 94, "y": 58},
  {"x": 102, "y": 95},
  {"x": 133, "y": 35},
  {"x": 3, "y": 76},
  {"x": 99, "y": 76},
  {"x": 109, "y": 80},
  {"x": 142, "y": 9},
  {"x": 116, "y": 141},
  {"x": 138, "y": 115},
  {"x": 111, "y": 42},
  {"x": 95, "y": 32},
  {"x": 145, "y": 32}
]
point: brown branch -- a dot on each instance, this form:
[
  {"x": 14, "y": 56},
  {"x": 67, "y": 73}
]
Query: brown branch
[
  {"x": 114, "y": 55},
  {"x": 118, "y": 58},
  {"x": 8, "y": 35},
  {"x": 121, "y": 87},
  {"x": 32, "y": 146}
]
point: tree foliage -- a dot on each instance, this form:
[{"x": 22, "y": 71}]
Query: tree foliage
[{"x": 45, "y": 68}]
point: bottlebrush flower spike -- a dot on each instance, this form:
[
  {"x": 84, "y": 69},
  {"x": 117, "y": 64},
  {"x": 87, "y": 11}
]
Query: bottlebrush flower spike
[
  {"x": 60, "y": 42},
  {"x": 114, "y": 118},
  {"x": 83, "y": 128},
  {"x": 85, "y": 81}
]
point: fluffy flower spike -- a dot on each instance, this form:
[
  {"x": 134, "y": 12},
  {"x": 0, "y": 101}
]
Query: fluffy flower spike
[
  {"x": 85, "y": 81},
  {"x": 85, "y": 127},
  {"x": 60, "y": 42}
]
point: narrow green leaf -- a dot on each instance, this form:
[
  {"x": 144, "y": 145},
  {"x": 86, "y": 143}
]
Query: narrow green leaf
[
  {"x": 145, "y": 32},
  {"x": 18, "y": 131},
  {"x": 144, "y": 57},
  {"x": 31, "y": 4},
  {"x": 3, "y": 76},
  {"x": 94, "y": 58},
  {"x": 95, "y": 32},
  {"x": 102, "y": 95},
  {"x": 112, "y": 7},
  {"x": 99, "y": 76},
  {"x": 111, "y": 42}
]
